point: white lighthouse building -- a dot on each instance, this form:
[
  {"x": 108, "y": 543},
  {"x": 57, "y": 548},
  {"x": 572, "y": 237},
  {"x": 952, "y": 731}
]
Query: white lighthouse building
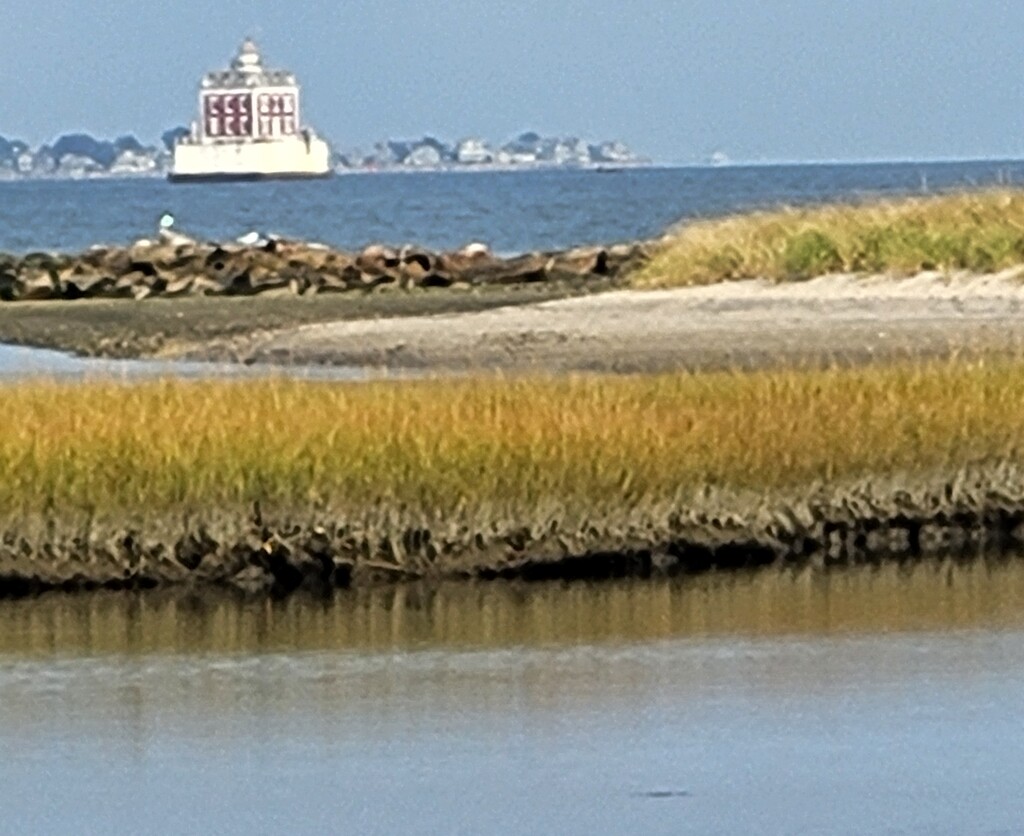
[{"x": 249, "y": 128}]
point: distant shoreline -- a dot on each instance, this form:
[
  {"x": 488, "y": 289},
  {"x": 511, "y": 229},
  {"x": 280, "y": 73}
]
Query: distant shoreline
[
  {"x": 649, "y": 165},
  {"x": 360, "y": 172},
  {"x": 81, "y": 156}
]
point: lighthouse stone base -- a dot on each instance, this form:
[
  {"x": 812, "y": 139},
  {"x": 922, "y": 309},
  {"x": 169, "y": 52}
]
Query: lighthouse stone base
[{"x": 279, "y": 159}]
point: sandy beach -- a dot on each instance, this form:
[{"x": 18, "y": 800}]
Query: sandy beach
[{"x": 743, "y": 324}]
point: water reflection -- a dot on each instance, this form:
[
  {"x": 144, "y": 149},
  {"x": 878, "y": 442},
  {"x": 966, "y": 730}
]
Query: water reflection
[
  {"x": 887, "y": 598},
  {"x": 870, "y": 700}
]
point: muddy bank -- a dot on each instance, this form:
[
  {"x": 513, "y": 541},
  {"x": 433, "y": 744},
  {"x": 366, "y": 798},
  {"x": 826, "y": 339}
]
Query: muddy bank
[
  {"x": 168, "y": 327},
  {"x": 974, "y": 513}
]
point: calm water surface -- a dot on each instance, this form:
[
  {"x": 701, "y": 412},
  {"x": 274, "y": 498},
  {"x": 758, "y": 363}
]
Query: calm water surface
[
  {"x": 20, "y": 362},
  {"x": 511, "y": 211},
  {"x": 877, "y": 700}
]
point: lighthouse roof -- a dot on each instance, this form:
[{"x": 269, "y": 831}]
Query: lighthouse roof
[{"x": 247, "y": 70}]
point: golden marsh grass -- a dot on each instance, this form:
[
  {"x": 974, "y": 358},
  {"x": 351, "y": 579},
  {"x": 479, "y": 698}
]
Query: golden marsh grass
[
  {"x": 977, "y": 231},
  {"x": 448, "y": 446}
]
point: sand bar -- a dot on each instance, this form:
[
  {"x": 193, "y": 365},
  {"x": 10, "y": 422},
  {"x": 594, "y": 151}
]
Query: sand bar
[{"x": 743, "y": 324}]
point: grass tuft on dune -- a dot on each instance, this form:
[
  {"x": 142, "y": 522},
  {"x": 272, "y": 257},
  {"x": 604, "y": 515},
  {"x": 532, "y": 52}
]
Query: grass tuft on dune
[{"x": 981, "y": 232}]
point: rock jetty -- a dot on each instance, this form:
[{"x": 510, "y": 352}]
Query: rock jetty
[{"x": 174, "y": 265}]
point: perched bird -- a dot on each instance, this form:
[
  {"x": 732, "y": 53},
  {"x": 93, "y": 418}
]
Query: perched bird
[
  {"x": 168, "y": 235},
  {"x": 252, "y": 239}
]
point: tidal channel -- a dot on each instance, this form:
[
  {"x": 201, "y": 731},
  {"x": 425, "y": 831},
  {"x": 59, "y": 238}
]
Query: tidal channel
[{"x": 877, "y": 699}]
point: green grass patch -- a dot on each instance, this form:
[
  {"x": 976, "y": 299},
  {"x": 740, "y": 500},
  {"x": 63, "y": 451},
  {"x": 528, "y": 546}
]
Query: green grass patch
[{"x": 979, "y": 232}]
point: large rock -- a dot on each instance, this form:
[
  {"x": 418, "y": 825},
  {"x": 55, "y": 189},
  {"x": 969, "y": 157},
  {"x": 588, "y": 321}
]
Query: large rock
[
  {"x": 227, "y": 272},
  {"x": 82, "y": 281},
  {"x": 521, "y": 270},
  {"x": 462, "y": 264},
  {"x": 623, "y": 258},
  {"x": 419, "y": 258},
  {"x": 378, "y": 259},
  {"x": 378, "y": 264},
  {"x": 180, "y": 286},
  {"x": 42, "y": 261},
  {"x": 263, "y": 279},
  {"x": 137, "y": 284},
  {"x": 423, "y": 268},
  {"x": 588, "y": 261},
  {"x": 177, "y": 266},
  {"x": 8, "y": 285},
  {"x": 36, "y": 284},
  {"x": 111, "y": 262},
  {"x": 340, "y": 279}
]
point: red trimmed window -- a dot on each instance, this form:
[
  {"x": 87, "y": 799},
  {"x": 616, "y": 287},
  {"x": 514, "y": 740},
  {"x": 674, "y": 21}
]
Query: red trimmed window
[{"x": 227, "y": 115}]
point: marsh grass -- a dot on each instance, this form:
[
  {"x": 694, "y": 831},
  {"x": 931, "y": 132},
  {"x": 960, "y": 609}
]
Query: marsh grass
[
  {"x": 979, "y": 231},
  {"x": 447, "y": 447}
]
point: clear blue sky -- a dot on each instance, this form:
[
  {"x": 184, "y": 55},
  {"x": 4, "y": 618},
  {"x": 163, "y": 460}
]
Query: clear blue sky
[{"x": 758, "y": 79}]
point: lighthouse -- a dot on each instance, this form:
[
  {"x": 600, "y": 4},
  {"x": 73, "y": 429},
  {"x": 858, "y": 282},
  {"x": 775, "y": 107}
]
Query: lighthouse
[{"x": 249, "y": 127}]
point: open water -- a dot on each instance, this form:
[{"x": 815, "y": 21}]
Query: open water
[
  {"x": 883, "y": 700},
  {"x": 511, "y": 211},
  {"x": 21, "y": 362}
]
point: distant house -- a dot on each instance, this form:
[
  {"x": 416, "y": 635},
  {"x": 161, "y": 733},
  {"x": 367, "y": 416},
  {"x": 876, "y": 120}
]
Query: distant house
[
  {"x": 130, "y": 162},
  {"x": 423, "y": 156},
  {"x": 77, "y": 166},
  {"x": 473, "y": 152}
]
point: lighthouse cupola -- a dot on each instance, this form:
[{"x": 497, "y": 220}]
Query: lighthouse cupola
[{"x": 248, "y": 61}]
